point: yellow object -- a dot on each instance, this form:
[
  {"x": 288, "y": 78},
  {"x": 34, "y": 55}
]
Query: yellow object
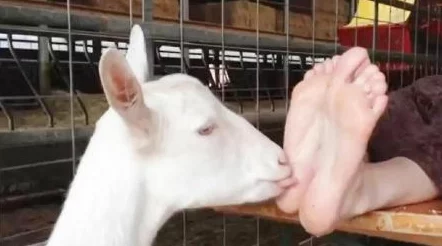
[{"x": 365, "y": 15}]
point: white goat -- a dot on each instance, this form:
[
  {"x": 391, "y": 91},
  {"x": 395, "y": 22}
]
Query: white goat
[{"x": 162, "y": 146}]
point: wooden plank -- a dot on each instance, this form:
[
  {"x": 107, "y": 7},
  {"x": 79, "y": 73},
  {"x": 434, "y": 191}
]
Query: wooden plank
[
  {"x": 243, "y": 14},
  {"x": 418, "y": 223},
  {"x": 240, "y": 14},
  {"x": 166, "y": 8},
  {"x": 161, "y": 8},
  {"x": 322, "y": 25}
]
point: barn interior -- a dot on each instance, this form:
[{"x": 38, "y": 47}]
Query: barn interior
[{"x": 249, "y": 53}]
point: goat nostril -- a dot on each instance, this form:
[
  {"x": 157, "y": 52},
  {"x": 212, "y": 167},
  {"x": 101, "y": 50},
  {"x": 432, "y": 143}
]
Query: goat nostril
[{"x": 282, "y": 160}]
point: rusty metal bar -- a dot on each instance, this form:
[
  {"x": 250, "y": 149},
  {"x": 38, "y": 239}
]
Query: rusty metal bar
[
  {"x": 53, "y": 135},
  {"x": 160, "y": 60},
  {"x": 59, "y": 72},
  {"x": 438, "y": 40},
  {"x": 44, "y": 66},
  {"x": 202, "y": 34},
  {"x": 89, "y": 60},
  {"x": 205, "y": 61},
  {"x": 266, "y": 89},
  {"x": 36, "y": 164},
  {"x": 29, "y": 83},
  {"x": 26, "y": 60},
  {"x": 415, "y": 41},
  {"x": 8, "y": 115},
  {"x": 244, "y": 74},
  {"x": 375, "y": 29},
  {"x": 206, "y": 35},
  {"x": 30, "y": 197},
  {"x": 234, "y": 90}
]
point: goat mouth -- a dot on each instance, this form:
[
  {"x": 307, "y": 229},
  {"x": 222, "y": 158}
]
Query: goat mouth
[{"x": 287, "y": 182}]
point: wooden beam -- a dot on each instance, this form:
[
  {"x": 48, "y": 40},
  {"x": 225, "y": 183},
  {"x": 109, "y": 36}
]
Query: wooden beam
[{"x": 419, "y": 223}]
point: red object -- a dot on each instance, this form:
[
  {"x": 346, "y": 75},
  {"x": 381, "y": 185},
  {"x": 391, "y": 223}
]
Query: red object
[
  {"x": 398, "y": 34},
  {"x": 435, "y": 28},
  {"x": 393, "y": 37}
]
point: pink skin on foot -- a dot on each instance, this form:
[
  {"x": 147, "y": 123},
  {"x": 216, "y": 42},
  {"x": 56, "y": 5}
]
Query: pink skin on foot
[
  {"x": 351, "y": 111},
  {"x": 303, "y": 128}
]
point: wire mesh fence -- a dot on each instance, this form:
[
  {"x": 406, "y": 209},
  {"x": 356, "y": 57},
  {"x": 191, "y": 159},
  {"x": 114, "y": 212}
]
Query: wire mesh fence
[{"x": 50, "y": 95}]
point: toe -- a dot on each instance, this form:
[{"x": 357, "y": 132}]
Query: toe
[
  {"x": 379, "y": 105},
  {"x": 335, "y": 60},
  {"x": 319, "y": 68},
  {"x": 309, "y": 74},
  {"x": 328, "y": 64},
  {"x": 348, "y": 64},
  {"x": 365, "y": 76},
  {"x": 363, "y": 66},
  {"x": 367, "y": 88}
]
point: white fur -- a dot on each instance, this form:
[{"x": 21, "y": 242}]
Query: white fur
[{"x": 146, "y": 159}]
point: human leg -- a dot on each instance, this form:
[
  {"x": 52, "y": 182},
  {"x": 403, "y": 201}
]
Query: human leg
[
  {"x": 394, "y": 182},
  {"x": 407, "y": 145}
]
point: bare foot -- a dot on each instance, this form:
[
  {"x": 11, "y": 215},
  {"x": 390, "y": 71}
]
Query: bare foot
[
  {"x": 351, "y": 111},
  {"x": 302, "y": 131},
  {"x": 303, "y": 128}
]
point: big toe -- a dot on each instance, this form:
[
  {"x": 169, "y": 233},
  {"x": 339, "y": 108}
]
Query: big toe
[{"x": 351, "y": 62}]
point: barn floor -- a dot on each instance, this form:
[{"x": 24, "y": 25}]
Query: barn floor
[{"x": 204, "y": 227}]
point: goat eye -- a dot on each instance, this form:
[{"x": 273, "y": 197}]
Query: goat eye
[{"x": 207, "y": 130}]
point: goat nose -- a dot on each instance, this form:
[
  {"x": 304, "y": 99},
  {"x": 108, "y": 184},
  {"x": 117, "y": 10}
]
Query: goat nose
[{"x": 282, "y": 159}]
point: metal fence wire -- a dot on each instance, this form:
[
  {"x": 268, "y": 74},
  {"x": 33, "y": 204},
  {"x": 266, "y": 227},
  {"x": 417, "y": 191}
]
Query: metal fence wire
[{"x": 50, "y": 95}]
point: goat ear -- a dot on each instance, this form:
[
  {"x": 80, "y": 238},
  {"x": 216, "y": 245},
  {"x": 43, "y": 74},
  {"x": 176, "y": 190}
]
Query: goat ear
[
  {"x": 136, "y": 54},
  {"x": 123, "y": 89}
]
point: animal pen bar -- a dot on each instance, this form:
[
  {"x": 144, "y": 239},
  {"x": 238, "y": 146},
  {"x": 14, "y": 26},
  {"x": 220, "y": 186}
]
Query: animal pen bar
[
  {"x": 170, "y": 30},
  {"x": 22, "y": 18}
]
